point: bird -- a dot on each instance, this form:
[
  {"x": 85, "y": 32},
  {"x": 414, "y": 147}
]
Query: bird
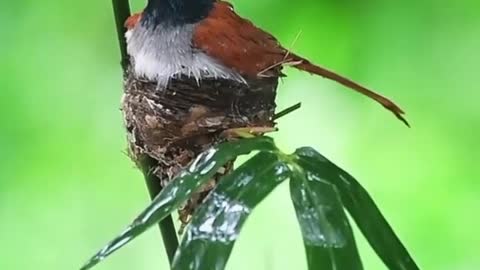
[{"x": 208, "y": 39}]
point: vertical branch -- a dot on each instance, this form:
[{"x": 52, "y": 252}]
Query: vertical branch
[
  {"x": 121, "y": 11},
  {"x": 167, "y": 228}
]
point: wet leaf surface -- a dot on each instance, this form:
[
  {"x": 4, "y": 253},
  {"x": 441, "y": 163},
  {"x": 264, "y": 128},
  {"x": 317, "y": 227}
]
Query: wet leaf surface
[
  {"x": 319, "y": 190},
  {"x": 362, "y": 208},
  {"x": 217, "y": 223},
  {"x": 181, "y": 188},
  {"x": 327, "y": 235}
]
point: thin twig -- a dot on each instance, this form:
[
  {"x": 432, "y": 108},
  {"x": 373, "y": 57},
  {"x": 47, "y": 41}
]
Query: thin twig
[
  {"x": 293, "y": 44},
  {"x": 121, "y": 10},
  {"x": 285, "y": 61},
  {"x": 287, "y": 111}
]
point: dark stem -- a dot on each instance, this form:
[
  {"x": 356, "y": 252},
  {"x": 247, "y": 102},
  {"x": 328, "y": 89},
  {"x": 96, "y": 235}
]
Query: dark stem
[
  {"x": 167, "y": 228},
  {"x": 121, "y": 11},
  {"x": 287, "y": 111}
]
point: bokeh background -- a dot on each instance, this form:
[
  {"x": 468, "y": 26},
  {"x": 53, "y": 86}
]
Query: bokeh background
[{"x": 66, "y": 186}]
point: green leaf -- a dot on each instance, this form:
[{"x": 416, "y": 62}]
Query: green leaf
[
  {"x": 327, "y": 235},
  {"x": 217, "y": 223},
  {"x": 181, "y": 188},
  {"x": 362, "y": 208}
]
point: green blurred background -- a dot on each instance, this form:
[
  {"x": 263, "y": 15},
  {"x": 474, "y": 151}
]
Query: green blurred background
[{"x": 66, "y": 186}]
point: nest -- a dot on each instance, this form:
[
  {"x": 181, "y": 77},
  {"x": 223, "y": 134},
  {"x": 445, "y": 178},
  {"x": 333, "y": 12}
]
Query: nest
[{"x": 168, "y": 127}]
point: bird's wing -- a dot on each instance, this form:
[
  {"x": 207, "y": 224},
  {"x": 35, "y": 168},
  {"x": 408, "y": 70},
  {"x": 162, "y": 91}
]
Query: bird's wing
[{"x": 237, "y": 43}]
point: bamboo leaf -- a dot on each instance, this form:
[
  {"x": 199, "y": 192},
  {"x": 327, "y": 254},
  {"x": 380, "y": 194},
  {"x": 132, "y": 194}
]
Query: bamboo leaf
[
  {"x": 327, "y": 235},
  {"x": 362, "y": 208},
  {"x": 217, "y": 223},
  {"x": 181, "y": 188}
]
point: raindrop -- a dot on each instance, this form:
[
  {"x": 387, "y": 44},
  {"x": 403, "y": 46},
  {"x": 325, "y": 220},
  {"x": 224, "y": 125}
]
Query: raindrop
[
  {"x": 221, "y": 225},
  {"x": 311, "y": 153},
  {"x": 208, "y": 167},
  {"x": 149, "y": 212},
  {"x": 345, "y": 179},
  {"x": 311, "y": 176},
  {"x": 281, "y": 169},
  {"x": 245, "y": 178},
  {"x": 202, "y": 158}
]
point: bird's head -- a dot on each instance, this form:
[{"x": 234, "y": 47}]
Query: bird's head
[{"x": 176, "y": 12}]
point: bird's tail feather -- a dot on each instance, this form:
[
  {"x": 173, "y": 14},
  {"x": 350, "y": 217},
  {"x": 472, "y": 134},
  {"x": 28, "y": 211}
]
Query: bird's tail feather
[{"x": 305, "y": 65}]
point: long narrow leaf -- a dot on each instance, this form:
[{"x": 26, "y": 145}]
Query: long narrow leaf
[
  {"x": 362, "y": 208},
  {"x": 181, "y": 188},
  {"x": 327, "y": 235},
  {"x": 217, "y": 223}
]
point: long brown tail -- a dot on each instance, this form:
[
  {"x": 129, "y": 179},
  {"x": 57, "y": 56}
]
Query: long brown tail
[{"x": 305, "y": 65}]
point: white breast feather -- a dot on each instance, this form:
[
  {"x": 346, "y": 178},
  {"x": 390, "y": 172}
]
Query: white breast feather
[{"x": 163, "y": 54}]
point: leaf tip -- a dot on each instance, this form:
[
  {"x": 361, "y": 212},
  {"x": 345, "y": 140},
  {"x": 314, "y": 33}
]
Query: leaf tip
[{"x": 91, "y": 263}]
